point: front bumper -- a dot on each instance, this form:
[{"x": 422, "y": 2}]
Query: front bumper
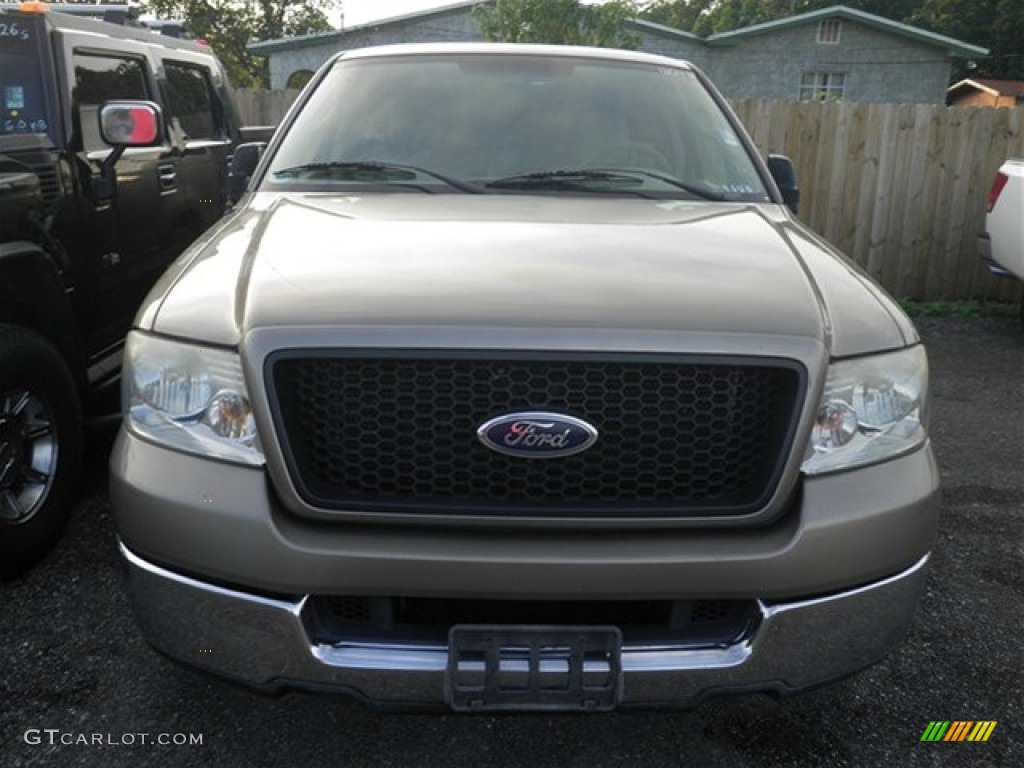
[
  {"x": 223, "y": 524},
  {"x": 265, "y": 643}
]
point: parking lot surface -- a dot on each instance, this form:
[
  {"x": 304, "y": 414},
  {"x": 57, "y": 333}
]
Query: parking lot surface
[{"x": 79, "y": 687}]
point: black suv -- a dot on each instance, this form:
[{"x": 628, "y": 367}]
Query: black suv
[{"x": 114, "y": 149}]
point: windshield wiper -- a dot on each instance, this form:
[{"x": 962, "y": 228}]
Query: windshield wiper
[
  {"x": 702, "y": 192},
  {"x": 592, "y": 181},
  {"x": 381, "y": 172},
  {"x": 561, "y": 179}
]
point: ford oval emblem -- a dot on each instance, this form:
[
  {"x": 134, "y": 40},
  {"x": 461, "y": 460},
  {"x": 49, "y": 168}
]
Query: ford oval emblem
[{"x": 537, "y": 435}]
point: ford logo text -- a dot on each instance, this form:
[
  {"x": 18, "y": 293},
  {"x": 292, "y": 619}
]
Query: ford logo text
[{"x": 537, "y": 435}]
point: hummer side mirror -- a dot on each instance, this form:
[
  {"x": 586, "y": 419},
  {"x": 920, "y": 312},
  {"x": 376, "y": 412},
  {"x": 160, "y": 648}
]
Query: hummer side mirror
[{"x": 124, "y": 124}]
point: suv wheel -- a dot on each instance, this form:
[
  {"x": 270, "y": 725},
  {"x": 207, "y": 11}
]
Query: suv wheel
[{"x": 40, "y": 447}]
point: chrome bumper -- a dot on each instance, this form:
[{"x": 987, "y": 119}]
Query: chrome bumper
[{"x": 263, "y": 642}]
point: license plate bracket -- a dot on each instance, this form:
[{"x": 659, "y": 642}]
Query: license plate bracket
[{"x": 533, "y": 668}]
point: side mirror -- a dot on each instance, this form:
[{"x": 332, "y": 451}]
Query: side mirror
[
  {"x": 130, "y": 123},
  {"x": 782, "y": 171},
  {"x": 124, "y": 124},
  {"x": 243, "y": 165}
]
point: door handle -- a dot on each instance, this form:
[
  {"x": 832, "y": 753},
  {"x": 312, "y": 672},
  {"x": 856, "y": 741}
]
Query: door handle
[{"x": 168, "y": 177}]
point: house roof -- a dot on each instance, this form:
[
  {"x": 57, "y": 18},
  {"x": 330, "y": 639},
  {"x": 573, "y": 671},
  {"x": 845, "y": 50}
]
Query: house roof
[
  {"x": 1013, "y": 88},
  {"x": 954, "y": 47},
  {"x": 664, "y": 31},
  {"x": 301, "y": 41}
]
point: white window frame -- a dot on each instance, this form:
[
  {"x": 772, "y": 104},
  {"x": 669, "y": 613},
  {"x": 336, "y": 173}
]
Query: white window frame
[
  {"x": 829, "y": 31},
  {"x": 822, "y": 86}
]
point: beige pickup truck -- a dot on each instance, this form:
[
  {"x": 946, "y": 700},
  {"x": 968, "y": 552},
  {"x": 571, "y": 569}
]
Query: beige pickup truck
[{"x": 513, "y": 383}]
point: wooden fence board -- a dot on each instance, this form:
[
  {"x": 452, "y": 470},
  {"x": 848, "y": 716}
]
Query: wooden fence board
[
  {"x": 911, "y": 256},
  {"x": 868, "y": 190},
  {"x": 926, "y": 257},
  {"x": 879, "y": 219},
  {"x": 968, "y": 270},
  {"x": 847, "y": 196}
]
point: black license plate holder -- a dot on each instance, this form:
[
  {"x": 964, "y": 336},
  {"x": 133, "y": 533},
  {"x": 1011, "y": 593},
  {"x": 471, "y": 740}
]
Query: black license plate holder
[{"x": 533, "y": 668}]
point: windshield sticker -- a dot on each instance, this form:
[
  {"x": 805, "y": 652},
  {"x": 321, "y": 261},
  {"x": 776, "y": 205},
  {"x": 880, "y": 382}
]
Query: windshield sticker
[
  {"x": 15, "y": 30},
  {"x": 14, "y": 97}
]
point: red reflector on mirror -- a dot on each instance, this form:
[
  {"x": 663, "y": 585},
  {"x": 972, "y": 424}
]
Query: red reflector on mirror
[{"x": 143, "y": 125}]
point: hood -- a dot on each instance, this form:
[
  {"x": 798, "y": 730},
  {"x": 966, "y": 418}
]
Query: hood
[{"x": 509, "y": 261}]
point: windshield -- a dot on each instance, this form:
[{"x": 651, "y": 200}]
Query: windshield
[
  {"x": 514, "y": 123},
  {"x": 21, "y": 78}
]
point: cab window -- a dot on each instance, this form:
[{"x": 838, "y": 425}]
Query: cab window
[
  {"x": 104, "y": 78},
  {"x": 190, "y": 102}
]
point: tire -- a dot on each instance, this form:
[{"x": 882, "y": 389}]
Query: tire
[{"x": 40, "y": 447}]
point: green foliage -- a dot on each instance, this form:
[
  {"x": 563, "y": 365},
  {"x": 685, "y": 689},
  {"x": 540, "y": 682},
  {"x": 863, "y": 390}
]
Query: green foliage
[
  {"x": 231, "y": 25},
  {"x": 994, "y": 24},
  {"x": 957, "y": 309},
  {"x": 688, "y": 15},
  {"x": 561, "y": 22}
]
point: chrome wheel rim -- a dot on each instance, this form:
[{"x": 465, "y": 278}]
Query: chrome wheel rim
[{"x": 28, "y": 455}]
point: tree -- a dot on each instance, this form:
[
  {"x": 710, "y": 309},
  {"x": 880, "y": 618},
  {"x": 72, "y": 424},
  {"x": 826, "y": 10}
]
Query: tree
[
  {"x": 996, "y": 24},
  {"x": 229, "y": 26},
  {"x": 679, "y": 14},
  {"x": 561, "y": 22}
]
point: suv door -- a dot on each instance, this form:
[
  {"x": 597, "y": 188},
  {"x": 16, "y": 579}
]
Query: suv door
[
  {"x": 199, "y": 125},
  {"x": 136, "y": 222}
]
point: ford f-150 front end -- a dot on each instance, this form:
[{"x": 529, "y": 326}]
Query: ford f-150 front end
[{"x": 513, "y": 384}]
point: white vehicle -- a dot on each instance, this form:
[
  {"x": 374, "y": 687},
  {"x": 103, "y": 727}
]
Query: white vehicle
[{"x": 1002, "y": 242}]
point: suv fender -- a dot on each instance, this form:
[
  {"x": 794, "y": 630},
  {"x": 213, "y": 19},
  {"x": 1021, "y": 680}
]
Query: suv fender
[{"x": 32, "y": 295}]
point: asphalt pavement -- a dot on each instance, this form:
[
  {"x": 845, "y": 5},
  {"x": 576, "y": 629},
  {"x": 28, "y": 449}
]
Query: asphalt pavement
[{"x": 79, "y": 687}]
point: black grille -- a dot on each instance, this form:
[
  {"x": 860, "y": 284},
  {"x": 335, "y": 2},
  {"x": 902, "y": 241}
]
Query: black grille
[
  {"x": 677, "y": 437},
  {"x": 49, "y": 186}
]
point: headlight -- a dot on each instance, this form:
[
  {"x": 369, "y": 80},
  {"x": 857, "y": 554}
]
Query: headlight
[
  {"x": 189, "y": 397},
  {"x": 873, "y": 409}
]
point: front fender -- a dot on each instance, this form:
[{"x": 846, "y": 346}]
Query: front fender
[{"x": 32, "y": 295}]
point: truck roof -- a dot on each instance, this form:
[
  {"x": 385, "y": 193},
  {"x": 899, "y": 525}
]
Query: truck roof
[
  {"x": 517, "y": 49},
  {"x": 59, "y": 19}
]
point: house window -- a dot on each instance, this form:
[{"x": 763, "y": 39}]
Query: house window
[
  {"x": 299, "y": 78},
  {"x": 822, "y": 86},
  {"x": 828, "y": 31}
]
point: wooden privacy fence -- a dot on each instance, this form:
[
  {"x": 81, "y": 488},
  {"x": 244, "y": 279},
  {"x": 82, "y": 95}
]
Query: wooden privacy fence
[
  {"x": 257, "y": 106},
  {"x": 900, "y": 188}
]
